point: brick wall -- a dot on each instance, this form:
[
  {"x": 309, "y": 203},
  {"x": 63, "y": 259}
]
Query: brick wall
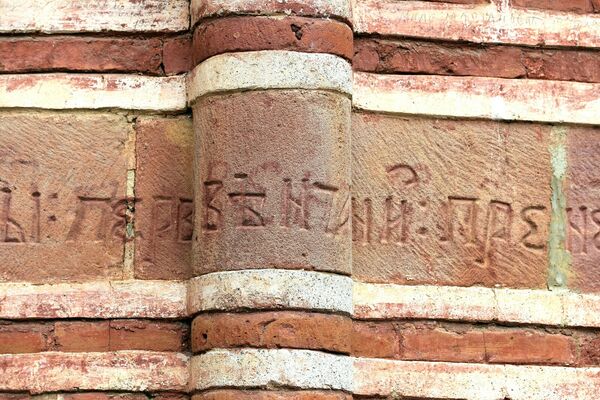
[{"x": 265, "y": 199}]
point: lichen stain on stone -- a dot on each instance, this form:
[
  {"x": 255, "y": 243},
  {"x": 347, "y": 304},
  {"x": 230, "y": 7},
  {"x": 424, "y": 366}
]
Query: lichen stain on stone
[{"x": 559, "y": 257}]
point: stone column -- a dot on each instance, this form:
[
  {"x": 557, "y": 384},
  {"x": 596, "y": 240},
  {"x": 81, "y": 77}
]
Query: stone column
[{"x": 271, "y": 98}]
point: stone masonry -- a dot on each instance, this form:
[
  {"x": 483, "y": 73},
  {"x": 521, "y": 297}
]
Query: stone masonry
[{"x": 299, "y": 199}]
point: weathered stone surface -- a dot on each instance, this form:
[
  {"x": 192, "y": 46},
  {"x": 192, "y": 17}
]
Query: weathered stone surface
[
  {"x": 273, "y": 186},
  {"x": 148, "y": 335},
  {"x": 61, "y": 195},
  {"x": 450, "y": 202},
  {"x": 271, "y": 395},
  {"x": 80, "y": 54},
  {"x": 297, "y": 330},
  {"x": 582, "y": 190},
  {"x": 375, "y": 339},
  {"x": 577, "y": 6},
  {"x": 164, "y": 197},
  {"x": 271, "y": 33},
  {"x": 177, "y": 54},
  {"x": 79, "y": 336},
  {"x": 117, "y": 371}
]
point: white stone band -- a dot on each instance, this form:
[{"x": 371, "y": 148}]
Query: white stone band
[
  {"x": 75, "y": 16},
  {"x": 118, "y": 299},
  {"x": 441, "y": 380},
  {"x": 207, "y": 8},
  {"x": 251, "y": 368},
  {"x": 477, "y": 97},
  {"x": 495, "y": 22},
  {"x": 476, "y": 304},
  {"x": 92, "y": 91},
  {"x": 278, "y": 69},
  {"x": 270, "y": 289},
  {"x": 128, "y": 371}
]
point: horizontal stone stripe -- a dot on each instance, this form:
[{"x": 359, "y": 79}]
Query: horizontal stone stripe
[
  {"x": 117, "y": 299},
  {"x": 418, "y": 56},
  {"x": 97, "y": 396},
  {"x": 478, "y": 97},
  {"x": 90, "y": 91},
  {"x": 278, "y": 69},
  {"x": 491, "y": 23},
  {"x": 310, "y": 35},
  {"x": 94, "y": 16},
  {"x": 231, "y": 394},
  {"x": 385, "y": 301},
  {"x": 320, "y": 8},
  {"x": 252, "y": 368},
  {"x": 373, "y": 377},
  {"x": 270, "y": 289},
  {"x": 119, "y": 371}
]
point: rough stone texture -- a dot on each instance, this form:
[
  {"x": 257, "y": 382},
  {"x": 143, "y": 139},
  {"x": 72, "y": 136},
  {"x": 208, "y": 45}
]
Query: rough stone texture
[
  {"x": 276, "y": 69},
  {"x": 449, "y": 58},
  {"x": 439, "y": 380},
  {"x": 23, "y": 338},
  {"x": 442, "y": 345},
  {"x": 270, "y": 289},
  {"x": 177, "y": 54},
  {"x": 478, "y": 97},
  {"x": 250, "y": 368},
  {"x": 92, "y": 91},
  {"x": 117, "y": 371},
  {"x": 270, "y": 33},
  {"x": 583, "y": 193},
  {"x": 201, "y": 9},
  {"x": 80, "y": 54},
  {"x": 450, "y": 202},
  {"x": 164, "y": 197},
  {"x": 271, "y": 395},
  {"x": 75, "y": 16},
  {"x": 273, "y": 186},
  {"x": 492, "y": 23},
  {"x": 61, "y": 190},
  {"x": 128, "y": 299},
  {"x": 272, "y": 330},
  {"x": 576, "y": 6}
]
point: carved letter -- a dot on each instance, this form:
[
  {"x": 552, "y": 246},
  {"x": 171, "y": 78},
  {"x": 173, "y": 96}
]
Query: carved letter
[{"x": 529, "y": 239}]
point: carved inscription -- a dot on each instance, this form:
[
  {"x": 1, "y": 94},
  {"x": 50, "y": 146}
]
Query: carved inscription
[
  {"x": 460, "y": 220},
  {"x": 240, "y": 201},
  {"x": 93, "y": 219}
]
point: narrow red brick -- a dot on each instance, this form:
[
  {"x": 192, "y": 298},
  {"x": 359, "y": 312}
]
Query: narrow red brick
[
  {"x": 177, "y": 54},
  {"x": 589, "y": 351},
  {"x": 275, "y": 395},
  {"x": 447, "y": 58},
  {"x": 527, "y": 347},
  {"x": 23, "y": 338},
  {"x": 575, "y": 6},
  {"x": 442, "y": 345},
  {"x": 272, "y": 330},
  {"x": 147, "y": 335},
  {"x": 236, "y": 34},
  {"x": 80, "y": 54},
  {"x": 81, "y": 336},
  {"x": 371, "y": 339}
]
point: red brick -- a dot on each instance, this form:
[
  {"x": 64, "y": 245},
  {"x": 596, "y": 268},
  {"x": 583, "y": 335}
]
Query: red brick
[
  {"x": 81, "y": 336},
  {"x": 275, "y": 395},
  {"x": 272, "y": 330},
  {"x": 442, "y": 345},
  {"x": 526, "y": 347},
  {"x": 62, "y": 195},
  {"x": 589, "y": 351},
  {"x": 563, "y": 65},
  {"x": 104, "y": 396},
  {"x": 372, "y": 339},
  {"x": 146, "y": 335},
  {"x": 577, "y": 6},
  {"x": 582, "y": 191},
  {"x": 23, "y": 338},
  {"x": 164, "y": 193},
  {"x": 177, "y": 54},
  {"x": 80, "y": 54},
  {"x": 263, "y": 33}
]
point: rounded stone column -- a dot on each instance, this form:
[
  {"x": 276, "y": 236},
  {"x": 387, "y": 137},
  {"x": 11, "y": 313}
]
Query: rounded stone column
[{"x": 271, "y": 100}]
